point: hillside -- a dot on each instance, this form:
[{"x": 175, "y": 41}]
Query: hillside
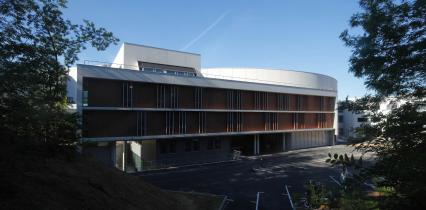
[{"x": 33, "y": 182}]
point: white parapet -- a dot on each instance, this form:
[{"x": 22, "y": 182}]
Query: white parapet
[
  {"x": 274, "y": 76},
  {"x": 130, "y": 54}
]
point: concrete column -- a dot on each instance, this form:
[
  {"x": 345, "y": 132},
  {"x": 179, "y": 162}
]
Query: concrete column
[
  {"x": 283, "y": 139},
  {"x": 113, "y": 153},
  {"x": 124, "y": 164},
  {"x": 256, "y": 145}
]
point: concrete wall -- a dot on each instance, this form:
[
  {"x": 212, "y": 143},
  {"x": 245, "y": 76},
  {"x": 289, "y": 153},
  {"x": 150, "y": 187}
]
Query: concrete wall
[
  {"x": 136, "y": 149},
  {"x": 149, "y": 150},
  {"x": 129, "y": 55},
  {"x": 102, "y": 151},
  {"x": 72, "y": 87},
  {"x": 308, "y": 139}
]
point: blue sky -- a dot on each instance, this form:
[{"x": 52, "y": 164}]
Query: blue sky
[{"x": 289, "y": 34}]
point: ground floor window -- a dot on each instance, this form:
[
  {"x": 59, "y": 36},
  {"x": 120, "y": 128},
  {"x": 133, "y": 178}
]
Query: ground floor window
[
  {"x": 192, "y": 145},
  {"x": 167, "y": 147},
  {"x": 210, "y": 144},
  {"x": 217, "y": 144},
  {"x": 214, "y": 144},
  {"x": 188, "y": 146},
  {"x": 196, "y": 145}
]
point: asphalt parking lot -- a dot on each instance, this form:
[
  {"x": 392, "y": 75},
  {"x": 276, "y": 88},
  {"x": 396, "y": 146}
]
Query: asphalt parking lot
[{"x": 242, "y": 180}]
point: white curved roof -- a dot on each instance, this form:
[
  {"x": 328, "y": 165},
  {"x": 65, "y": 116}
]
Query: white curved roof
[{"x": 274, "y": 76}]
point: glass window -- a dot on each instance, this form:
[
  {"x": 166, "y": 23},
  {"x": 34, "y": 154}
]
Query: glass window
[
  {"x": 163, "y": 147},
  {"x": 340, "y": 118},
  {"x": 172, "y": 147},
  {"x": 217, "y": 144},
  {"x": 362, "y": 119},
  {"x": 210, "y": 144},
  {"x": 196, "y": 145},
  {"x": 85, "y": 98},
  {"x": 188, "y": 146},
  {"x": 148, "y": 69},
  {"x": 70, "y": 100}
]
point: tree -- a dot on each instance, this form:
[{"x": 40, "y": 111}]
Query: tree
[
  {"x": 37, "y": 46},
  {"x": 391, "y": 56}
]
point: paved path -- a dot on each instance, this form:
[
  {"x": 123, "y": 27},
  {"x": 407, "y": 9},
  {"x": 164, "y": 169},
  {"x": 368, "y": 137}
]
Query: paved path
[{"x": 241, "y": 180}]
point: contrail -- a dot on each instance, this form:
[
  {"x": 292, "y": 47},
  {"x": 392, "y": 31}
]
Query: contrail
[{"x": 204, "y": 32}]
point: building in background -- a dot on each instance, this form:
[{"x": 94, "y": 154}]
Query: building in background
[
  {"x": 156, "y": 107},
  {"x": 349, "y": 121}
]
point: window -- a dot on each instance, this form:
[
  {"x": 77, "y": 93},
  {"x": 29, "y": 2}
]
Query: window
[
  {"x": 148, "y": 69},
  {"x": 163, "y": 147},
  {"x": 362, "y": 119},
  {"x": 210, "y": 144},
  {"x": 85, "y": 98},
  {"x": 340, "y": 131},
  {"x": 188, "y": 146},
  {"x": 172, "y": 147},
  {"x": 167, "y": 147},
  {"x": 70, "y": 100},
  {"x": 196, "y": 145},
  {"x": 340, "y": 118},
  {"x": 217, "y": 144}
]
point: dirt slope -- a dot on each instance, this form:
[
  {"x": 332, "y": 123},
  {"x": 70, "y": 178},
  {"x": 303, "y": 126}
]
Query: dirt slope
[{"x": 33, "y": 182}]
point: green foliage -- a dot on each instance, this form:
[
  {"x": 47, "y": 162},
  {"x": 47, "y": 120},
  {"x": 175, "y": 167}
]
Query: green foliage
[
  {"x": 356, "y": 199},
  {"x": 317, "y": 195},
  {"x": 37, "y": 47},
  {"x": 390, "y": 55},
  {"x": 400, "y": 146}
]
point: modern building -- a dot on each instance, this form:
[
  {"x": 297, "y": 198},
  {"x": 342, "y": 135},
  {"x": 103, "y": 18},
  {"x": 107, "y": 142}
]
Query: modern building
[
  {"x": 155, "y": 107},
  {"x": 349, "y": 121}
]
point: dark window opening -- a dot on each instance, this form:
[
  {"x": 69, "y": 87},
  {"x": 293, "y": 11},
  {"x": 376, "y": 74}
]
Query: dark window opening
[
  {"x": 172, "y": 147},
  {"x": 188, "y": 146},
  {"x": 362, "y": 119},
  {"x": 210, "y": 144},
  {"x": 163, "y": 147},
  {"x": 217, "y": 144},
  {"x": 70, "y": 100},
  {"x": 85, "y": 98},
  {"x": 196, "y": 145}
]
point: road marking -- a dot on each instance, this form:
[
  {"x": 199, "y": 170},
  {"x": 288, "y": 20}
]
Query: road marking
[
  {"x": 257, "y": 200},
  {"x": 289, "y": 198},
  {"x": 337, "y": 182}
]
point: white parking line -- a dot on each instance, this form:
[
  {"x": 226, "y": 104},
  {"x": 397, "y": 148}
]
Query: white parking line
[
  {"x": 257, "y": 200},
  {"x": 337, "y": 182},
  {"x": 289, "y": 198}
]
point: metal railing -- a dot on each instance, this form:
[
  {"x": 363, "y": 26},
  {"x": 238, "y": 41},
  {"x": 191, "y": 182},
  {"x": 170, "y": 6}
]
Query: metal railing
[
  {"x": 189, "y": 160},
  {"x": 110, "y": 65}
]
